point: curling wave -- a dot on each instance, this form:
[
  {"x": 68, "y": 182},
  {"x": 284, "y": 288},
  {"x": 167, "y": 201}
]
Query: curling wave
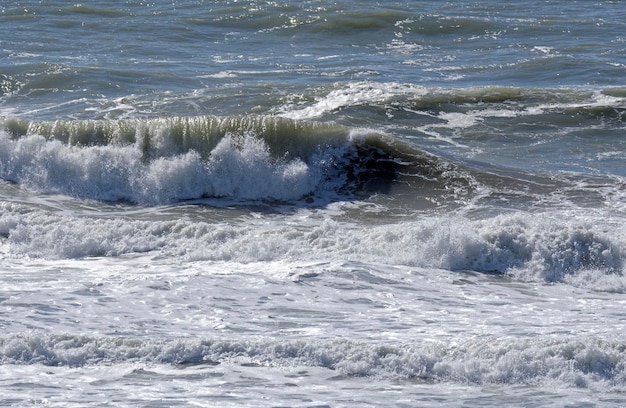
[{"x": 170, "y": 159}]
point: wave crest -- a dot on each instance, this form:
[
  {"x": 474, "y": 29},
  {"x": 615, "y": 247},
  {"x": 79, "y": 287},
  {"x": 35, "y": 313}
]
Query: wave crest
[{"x": 170, "y": 159}]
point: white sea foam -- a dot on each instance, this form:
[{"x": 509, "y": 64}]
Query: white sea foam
[
  {"x": 536, "y": 247},
  {"x": 220, "y": 75},
  {"x": 240, "y": 168},
  {"x": 568, "y": 362},
  {"x": 352, "y": 94}
]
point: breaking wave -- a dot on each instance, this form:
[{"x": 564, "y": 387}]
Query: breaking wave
[
  {"x": 528, "y": 247},
  {"x": 166, "y": 160},
  {"x": 575, "y": 363}
]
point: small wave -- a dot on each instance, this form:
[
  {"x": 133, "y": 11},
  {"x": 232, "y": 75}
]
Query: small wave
[
  {"x": 437, "y": 25},
  {"x": 296, "y": 20},
  {"x": 572, "y": 363},
  {"x": 93, "y": 11},
  {"x": 351, "y": 22},
  {"x": 491, "y": 100}
]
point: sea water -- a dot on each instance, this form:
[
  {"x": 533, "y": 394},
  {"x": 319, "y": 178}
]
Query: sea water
[{"x": 312, "y": 203}]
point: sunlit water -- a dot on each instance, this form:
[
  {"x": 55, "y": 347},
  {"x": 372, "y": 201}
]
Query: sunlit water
[{"x": 312, "y": 204}]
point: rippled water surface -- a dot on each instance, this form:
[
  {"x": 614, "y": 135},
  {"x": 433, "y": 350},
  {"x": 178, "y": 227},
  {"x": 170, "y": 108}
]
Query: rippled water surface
[{"x": 312, "y": 203}]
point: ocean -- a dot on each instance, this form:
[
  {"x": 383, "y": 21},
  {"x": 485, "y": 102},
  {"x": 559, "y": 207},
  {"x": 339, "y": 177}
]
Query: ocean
[{"x": 313, "y": 203}]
